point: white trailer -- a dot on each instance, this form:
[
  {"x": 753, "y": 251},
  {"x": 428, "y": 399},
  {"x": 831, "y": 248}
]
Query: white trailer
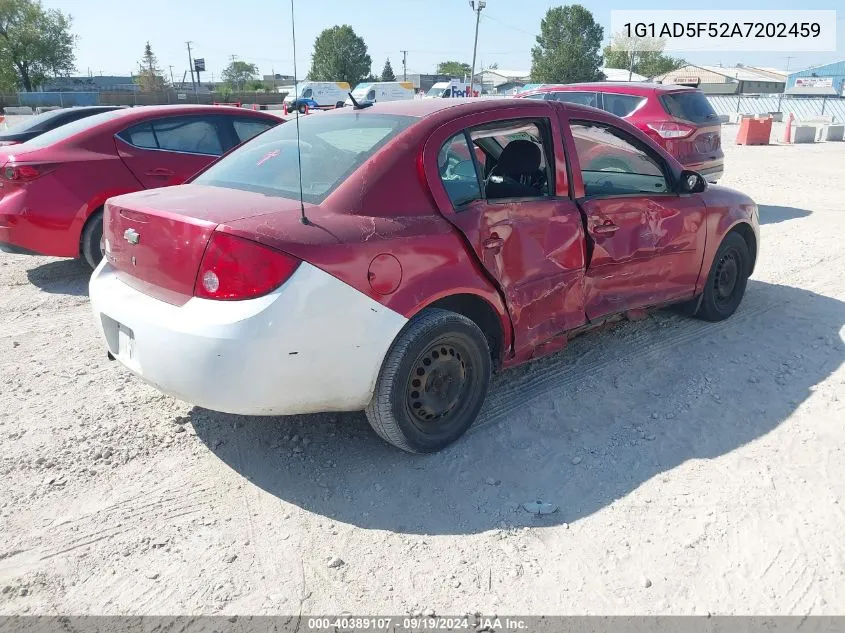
[{"x": 375, "y": 91}]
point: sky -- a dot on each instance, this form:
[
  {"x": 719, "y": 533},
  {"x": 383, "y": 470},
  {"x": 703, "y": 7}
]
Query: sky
[{"x": 112, "y": 33}]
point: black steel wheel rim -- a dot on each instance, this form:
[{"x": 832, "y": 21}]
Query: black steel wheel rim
[
  {"x": 440, "y": 382},
  {"x": 726, "y": 279}
]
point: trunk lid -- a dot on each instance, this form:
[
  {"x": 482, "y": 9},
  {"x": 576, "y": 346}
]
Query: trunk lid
[{"x": 156, "y": 239}]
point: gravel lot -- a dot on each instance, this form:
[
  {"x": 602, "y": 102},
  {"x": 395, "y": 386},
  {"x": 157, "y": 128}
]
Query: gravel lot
[{"x": 697, "y": 467}]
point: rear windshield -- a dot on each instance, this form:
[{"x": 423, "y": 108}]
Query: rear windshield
[
  {"x": 32, "y": 122},
  {"x": 690, "y": 105},
  {"x": 64, "y": 132},
  {"x": 332, "y": 147}
]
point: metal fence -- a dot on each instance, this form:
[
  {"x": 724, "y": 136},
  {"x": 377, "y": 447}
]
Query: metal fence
[
  {"x": 67, "y": 99},
  {"x": 801, "y": 107}
]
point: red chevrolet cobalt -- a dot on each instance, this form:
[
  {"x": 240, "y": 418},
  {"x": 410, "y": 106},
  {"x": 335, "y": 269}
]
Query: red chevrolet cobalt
[
  {"x": 52, "y": 188},
  {"x": 424, "y": 245}
]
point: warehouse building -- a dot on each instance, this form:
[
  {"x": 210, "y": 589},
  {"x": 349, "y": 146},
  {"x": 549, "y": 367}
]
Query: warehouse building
[
  {"x": 728, "y": 80},
  {"x": 821, "y": 81}
]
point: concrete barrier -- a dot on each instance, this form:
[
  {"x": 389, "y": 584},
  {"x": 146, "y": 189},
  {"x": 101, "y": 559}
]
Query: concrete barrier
[
  {"x": 724, "y": 118},
  {"x": 275, "y": 106},
  {"x": 817, "y": 119},
  {"x": 835, "y": 133},
  {"x": 17, "y": 110},
  {"x": 776, "y": 116},
  {"x": 803, "y": 134}
]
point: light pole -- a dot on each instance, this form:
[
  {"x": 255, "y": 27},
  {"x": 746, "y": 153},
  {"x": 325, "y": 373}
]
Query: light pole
[{"x": 477, "y": 6}]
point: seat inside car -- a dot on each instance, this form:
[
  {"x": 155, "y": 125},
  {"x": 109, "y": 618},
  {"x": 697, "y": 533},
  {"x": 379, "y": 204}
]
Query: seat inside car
[{"x": 517, "y": 173}]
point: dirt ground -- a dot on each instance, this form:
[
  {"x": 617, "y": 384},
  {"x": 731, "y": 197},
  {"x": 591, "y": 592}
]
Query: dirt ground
[{"x": 697, "y": 468}]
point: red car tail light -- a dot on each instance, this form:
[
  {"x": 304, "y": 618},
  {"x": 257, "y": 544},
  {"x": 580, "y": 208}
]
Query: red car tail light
[
  {"x": 671, "y": 129},
  {"x": 23, "y": 173},
  {"x": 234, "y": 268}
]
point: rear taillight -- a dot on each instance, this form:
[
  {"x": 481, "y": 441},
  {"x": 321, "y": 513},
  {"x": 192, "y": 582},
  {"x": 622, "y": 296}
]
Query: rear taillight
[
  {"x": 234, "y": 268},
  {"x": 22, "y": 173},
  {"x": 671, "y": 129}
]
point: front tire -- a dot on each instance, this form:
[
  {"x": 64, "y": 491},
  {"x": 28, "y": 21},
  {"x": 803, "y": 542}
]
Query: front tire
[
  {"x": 302, "y": 108},
  {"x": 432, "y": 383},
  {"x": 727, "y": 279},
  {"x": 91, "y": 243}
]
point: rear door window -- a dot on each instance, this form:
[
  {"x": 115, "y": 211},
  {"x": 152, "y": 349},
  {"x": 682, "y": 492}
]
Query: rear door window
[
  {"x": 195, "y": 135},
  {"x": 457, "y": 171},
  {"x": 689, "y": 105},
  {"x": 620, "y": 105},
  {"x": 245, "y": 129},
  {"x": 581, "y": 98}
]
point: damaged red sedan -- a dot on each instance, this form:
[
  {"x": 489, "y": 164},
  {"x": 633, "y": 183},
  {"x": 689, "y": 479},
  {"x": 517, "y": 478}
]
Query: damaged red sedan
[{"x": 421, "y": 246}]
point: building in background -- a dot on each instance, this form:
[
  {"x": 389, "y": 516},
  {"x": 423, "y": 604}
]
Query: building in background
[
  {"x": 728, "y": 80},
  {"x": 820, "y": 81},
  {"x": 502, "y": 82},
  {"x": 94, "y": 83}
]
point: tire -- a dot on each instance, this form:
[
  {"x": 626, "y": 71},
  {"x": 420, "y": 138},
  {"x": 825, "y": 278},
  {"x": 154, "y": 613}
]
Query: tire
[
  {"x": 90, "y": 244},
  {"x": 424, "y": 399},
  {"x": 726, "y": 280},
  {"x": 302, "y": 108},
  {"x": 339, "y": 104}
]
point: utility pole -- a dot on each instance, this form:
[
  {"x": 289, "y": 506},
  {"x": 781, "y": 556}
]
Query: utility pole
[
  {"x": 780, "y": 96},
  {"x": 191, "y": 68},
  {"x": 172, "y": 83},
  {"x": 477, "y": 6},
  {"x": 404, "y": 65}
]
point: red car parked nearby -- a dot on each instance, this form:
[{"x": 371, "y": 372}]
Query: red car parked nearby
[
  {"x": 422, "y": 245},
  {"x": 678, "y": 118},
  {"x": 52, "y": 188}
]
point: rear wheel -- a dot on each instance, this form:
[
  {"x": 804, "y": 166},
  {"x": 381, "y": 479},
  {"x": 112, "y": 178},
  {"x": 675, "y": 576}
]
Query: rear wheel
[
  {"x": 432, "y": 383},
  {"x": 91, "y": 244},
  {"x": 302, "y": 108},
  {"x": 727, "y": 279}
]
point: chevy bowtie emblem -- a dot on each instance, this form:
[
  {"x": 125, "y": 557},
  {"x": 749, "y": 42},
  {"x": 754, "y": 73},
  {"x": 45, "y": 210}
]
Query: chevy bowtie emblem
[{"x": 132, "y": 236}]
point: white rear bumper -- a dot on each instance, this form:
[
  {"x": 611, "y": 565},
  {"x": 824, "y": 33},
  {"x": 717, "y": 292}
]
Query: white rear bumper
[{"x": 314, "y": 344}]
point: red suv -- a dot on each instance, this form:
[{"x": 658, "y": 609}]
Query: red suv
[{"x": 678, "y": 118}]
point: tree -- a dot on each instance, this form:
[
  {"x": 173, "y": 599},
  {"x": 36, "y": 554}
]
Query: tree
[
  {"x": 387, "y": 72},
  {"x": 34, "y": 42},
  {"x": 340, "y": 55},
  {"x": 238, "y": 73},
  {"x": 150, "y": 77},
  {"x": 568, "y": 47},
  {"x": 458, "y": 70},
  {"x": 648, "y": 58}
]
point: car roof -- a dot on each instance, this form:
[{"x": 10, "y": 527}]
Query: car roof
[
  {"x": 141, "y": 112},
  {"x": 635, "y": 87}
]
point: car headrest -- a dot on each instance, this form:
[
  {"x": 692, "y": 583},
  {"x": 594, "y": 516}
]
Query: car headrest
[{"x": 519, "y": 157}]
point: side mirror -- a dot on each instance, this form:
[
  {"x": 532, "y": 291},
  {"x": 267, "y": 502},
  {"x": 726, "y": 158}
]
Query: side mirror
[{"x": 692, "y": 182}]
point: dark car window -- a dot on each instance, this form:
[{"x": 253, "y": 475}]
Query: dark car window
[
  {"x": 307, "y": 94},
  {"x": 620, "y": 105},
  {"x": 140, "y": 136},
  {"x": 581, "y": 98},
  {"x": 517, "y": 164},
  {"x": 613, "y": 164},
  {"x": 330, "y": 149},
  {"x": 247, "y": 128},
  {"x": 541, "y": 96},
  {"x": 690, "y": 105},
  {"x": 195, "y": 135},
  {"x": 457, "y": 171},
  {"x": 54, "y": 118}
]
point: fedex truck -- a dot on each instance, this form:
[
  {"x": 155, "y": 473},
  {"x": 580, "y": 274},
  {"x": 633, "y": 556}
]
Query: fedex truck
[
  {"x": 317, "y": 95},
  {"x": 375, "y": 91},
  {"x": 453, "y": 88}
]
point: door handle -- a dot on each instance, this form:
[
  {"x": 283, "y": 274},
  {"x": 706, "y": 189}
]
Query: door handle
[
  {"x": 494, "y": 241},
  {"x": 161, "y": 172},
  {"x": 608, "y": 228}
]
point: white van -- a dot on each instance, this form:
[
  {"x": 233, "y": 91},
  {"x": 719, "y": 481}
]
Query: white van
[
  {"x": 375, "y": 91},
  {"x": 453, "y": 88},
  {"x": 320, "y": 95}
]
